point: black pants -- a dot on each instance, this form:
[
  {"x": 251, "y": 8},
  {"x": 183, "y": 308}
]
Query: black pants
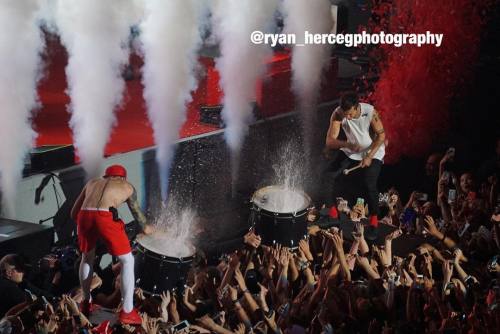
[{"x": 359, "y": 183}]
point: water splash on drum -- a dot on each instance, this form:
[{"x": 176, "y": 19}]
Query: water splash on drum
[
  {"x": 173, "y": 236},
  {"x": 289, "y": 168},
  {"x": 289, "y": 176}
]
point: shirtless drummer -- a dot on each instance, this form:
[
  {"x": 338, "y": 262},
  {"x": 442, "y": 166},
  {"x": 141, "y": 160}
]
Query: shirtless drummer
[{"x": 96, "y": 215}]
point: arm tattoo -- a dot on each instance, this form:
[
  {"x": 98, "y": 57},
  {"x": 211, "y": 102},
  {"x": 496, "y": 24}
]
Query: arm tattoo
[{"x": 135, "y": 209}]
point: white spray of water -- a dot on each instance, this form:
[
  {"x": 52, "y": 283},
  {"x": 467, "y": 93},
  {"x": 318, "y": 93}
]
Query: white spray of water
[
  {"x": 174, "y": 231},
  {"x": 95, "y": 33},
  {"x": 170, "y": 36},
  {"x": 308, "y": 61},
  {"x": 21, "y": 43},
  {"x": 241, "y": 63},
  {"x": 289, "y": 171},
  {"x": 288, "y": 167}
]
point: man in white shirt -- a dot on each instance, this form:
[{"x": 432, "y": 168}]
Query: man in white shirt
[{"x": 364, "y": 146}]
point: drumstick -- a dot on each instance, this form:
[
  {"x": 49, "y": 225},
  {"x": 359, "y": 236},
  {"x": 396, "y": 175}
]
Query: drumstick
[{"x": 347, "y": 171}]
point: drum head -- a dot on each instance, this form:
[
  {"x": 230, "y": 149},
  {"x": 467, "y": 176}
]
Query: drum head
[
  {"x": 278, "y": 199},
  {"x": 160, "y": 244}
]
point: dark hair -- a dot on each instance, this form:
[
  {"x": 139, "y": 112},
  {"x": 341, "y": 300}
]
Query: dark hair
[
  {"x": 11, "y": 260},
  {"x": 349, "y": 100}
]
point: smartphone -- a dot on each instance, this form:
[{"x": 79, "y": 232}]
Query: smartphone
[
  {"x": 422, "y": 197},
  {"x": 452, "y": 196},
  {"x": 446, "y": 176},
  {"x": 360, "y": 201},
  {"x": 180, "y": 326}
]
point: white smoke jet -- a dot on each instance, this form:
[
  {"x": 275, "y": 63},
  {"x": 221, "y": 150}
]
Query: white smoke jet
[
  {"x": 241, "y": 62},
  {"x": 21, "y": 43},
  {"x": 170, "y": 36},
  {"x": 308, "y": 61},
  {"x": 95, "y": 33}
]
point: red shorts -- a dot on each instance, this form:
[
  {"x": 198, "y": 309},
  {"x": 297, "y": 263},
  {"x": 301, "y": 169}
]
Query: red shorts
[{"x": 92, "y": 224}]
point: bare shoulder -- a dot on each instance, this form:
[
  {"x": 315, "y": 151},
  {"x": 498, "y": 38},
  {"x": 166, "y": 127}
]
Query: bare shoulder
[
  {"x": 336, "y": 116},
  {"x": 91, "y": 183},
  {"x": 129, "y": 188},
  {"x": 376, "y": 115}
]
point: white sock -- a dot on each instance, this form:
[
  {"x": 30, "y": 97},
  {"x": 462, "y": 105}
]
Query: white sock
[
  {"x": 86, "y": 272},
  {"x": 127, "y": 281}
]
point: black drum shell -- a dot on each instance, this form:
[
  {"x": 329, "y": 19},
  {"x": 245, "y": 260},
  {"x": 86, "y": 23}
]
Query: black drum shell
[
  {"x": 286, "y": 229},
  {"x": 156, "y": 273}
]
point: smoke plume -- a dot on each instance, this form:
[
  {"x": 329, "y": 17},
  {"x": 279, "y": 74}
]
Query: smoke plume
[
  {"x": 21, "y": 43},
  {"x": 241, "y": 62},
  {"x": 95, "y": 33},
  {"x": 310, "y": 60},
  {"x": 170, "y": 38}
]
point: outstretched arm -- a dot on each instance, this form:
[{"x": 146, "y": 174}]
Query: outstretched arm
[{"x": 137, "y": 213}]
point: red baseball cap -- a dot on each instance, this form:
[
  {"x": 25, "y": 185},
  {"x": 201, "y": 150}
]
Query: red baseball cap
[
  {"x": 333, "y": 212},
  {"x": 115, "y": 170}
]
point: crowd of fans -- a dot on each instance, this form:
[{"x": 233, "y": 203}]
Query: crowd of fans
[{"x": 333, "y": 283}]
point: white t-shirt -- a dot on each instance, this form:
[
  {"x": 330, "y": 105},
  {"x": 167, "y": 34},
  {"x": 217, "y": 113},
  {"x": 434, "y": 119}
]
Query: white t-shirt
[{"x": 358, "y": 131}]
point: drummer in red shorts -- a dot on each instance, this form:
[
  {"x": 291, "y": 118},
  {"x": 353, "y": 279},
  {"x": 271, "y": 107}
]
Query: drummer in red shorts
[{"x": 93, "y": 211}]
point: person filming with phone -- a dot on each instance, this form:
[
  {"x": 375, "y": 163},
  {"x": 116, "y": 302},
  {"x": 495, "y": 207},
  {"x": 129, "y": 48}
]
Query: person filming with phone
[{"x": 361, "y": 154}]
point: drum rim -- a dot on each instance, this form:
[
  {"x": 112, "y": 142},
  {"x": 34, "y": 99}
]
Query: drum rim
[
  {"x": 165, "y": 258},
  {"x": 293, "y": 213},
  {"x": 283, "y": 215}
]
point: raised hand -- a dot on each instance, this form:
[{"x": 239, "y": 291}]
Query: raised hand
[
  {"x": 304, "y": 247},
  {"x": 240, "y": 329},
  {"x": 252, "y": 239},
  {"x": 458, "y": 256},
  {"x": 206, "y": 322},
  {"x": 430, "y": 226},
  {"x": 338, "y": 242},
  {"x": 447, "y": 271},
  {"x": 395, "y": 234},
  {"x": 72, "y": 305},
  {"x": 139, "y": 293},
  {"x": 263, "y": 291},
  {"x": 165, "y": 301}
]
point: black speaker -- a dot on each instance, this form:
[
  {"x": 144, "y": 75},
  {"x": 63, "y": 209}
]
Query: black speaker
[
  {"x": 31, "y": 241},
  {"x": 211, "y": 115},
  {"x": 49, "y": 157}
]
